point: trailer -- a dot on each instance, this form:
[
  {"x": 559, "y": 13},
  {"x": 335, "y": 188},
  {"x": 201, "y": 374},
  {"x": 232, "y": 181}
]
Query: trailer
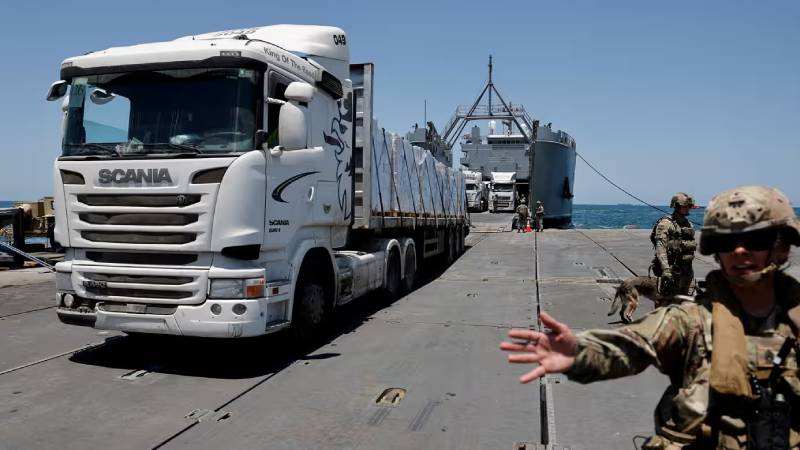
[{"x": 237, "y": 183}]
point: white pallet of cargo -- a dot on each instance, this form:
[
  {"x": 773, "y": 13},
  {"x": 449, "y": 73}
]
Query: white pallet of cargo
[
  {"x": 406, "y": 177},
  {"x": 425, "y": 197},
  {"x": 430, "y": 181},
  {"x": 403, "y": 201},
  {"x": 444, "y": 188},
  {"x": 381, "y": 172},
  {"x": 410, "y": 163},
  {"x": 459, "y": 188}
]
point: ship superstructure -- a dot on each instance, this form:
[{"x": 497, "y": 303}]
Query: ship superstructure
[{"x": 520, "y": 147}]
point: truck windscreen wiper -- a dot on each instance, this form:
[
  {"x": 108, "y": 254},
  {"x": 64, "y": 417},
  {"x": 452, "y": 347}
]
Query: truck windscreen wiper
[
  {"x": 110, "y": 149},
  {"x": 170, "y": 145}
]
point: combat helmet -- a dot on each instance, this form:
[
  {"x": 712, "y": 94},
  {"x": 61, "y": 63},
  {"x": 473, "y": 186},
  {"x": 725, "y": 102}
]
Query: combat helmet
[
  {"x": 681, "y": 199},
  {"x": 748, "y": 208}
]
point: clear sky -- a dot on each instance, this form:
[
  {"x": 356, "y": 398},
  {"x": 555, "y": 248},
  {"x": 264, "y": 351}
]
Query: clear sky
[{"x": 661, "y": 96}]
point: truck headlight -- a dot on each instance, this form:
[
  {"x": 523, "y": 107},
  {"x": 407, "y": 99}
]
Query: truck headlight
[{"x": 237, "y": 288}]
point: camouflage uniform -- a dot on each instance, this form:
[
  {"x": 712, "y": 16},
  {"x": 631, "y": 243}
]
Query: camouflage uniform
[
  {"x": 677, "y": 340},
  {"x": 539, "y": 216},
  {"x": 724, "y": 365},
  {"x": 673, "y": 239},
  {"x": 522, "y": 216}
]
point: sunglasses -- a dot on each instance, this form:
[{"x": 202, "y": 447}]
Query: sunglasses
[{"x": 753, "y": 241}]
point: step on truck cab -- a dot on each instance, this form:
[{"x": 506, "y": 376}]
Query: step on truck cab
[
  {"x": 503, "y": 191},
  {"x": 235, "y": 183}
]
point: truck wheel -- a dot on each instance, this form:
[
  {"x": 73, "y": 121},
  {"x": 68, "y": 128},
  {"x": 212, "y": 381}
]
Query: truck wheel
[
  {"x": 410, "y": 271},
  {"x": 309, "y": 311},
  {"x": 392, "y": 288},
  {"x": 451, "y": 247}
]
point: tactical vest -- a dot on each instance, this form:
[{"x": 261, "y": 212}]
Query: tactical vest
[
  {"x": 680, "y": 242},
  {"x": 771, "y": 416}
]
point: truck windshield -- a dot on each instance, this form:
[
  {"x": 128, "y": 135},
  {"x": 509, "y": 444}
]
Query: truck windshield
[
  {"x": 168, "y": 111},
  {"x": 471, "y": 187},
  {"x": 502, "y": 187}
]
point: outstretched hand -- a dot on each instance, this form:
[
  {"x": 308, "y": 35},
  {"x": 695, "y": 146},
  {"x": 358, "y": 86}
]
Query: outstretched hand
[{"x": 554, "y": 351}]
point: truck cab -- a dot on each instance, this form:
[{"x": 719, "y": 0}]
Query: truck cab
[
  {"x": 191, "y": 189},
  {"x": 503, "y": 191},
  {"x": 477, "y": 191}
]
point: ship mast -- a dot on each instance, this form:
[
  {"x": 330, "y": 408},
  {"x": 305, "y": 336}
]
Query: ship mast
[{"x": 518, "y": 116}]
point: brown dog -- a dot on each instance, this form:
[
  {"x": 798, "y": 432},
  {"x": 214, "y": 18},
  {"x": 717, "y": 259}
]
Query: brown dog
[{"x": 626, "y": 299}]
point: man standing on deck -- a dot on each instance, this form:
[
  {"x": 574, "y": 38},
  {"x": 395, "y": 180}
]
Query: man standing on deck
[
  {"x": 731, "y": 355},
  {"x": 674, "y": 244},
  {"x": 539, "y": 215},
  {"x": 522, "y": 216}
]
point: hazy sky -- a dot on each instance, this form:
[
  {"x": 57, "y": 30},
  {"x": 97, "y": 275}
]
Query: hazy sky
[{"x": 661, "y": 96}]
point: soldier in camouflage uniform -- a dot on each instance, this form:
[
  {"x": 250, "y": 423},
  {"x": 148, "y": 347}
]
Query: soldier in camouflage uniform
[
  {"x": 731, "y": 355},
  {"x": 673, "y": 241}
]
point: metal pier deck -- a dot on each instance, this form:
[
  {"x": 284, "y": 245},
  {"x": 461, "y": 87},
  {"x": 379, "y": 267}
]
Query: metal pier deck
[{"x": 70, "y": 387}]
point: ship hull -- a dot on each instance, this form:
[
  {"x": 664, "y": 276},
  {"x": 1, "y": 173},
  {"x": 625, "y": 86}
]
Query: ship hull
[{"x": 553, "y": 181}]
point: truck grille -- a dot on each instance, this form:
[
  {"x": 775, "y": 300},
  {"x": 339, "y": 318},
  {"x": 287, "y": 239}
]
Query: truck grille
[
  {"x": 140, "y": 285},
  {"x": 154, "y": 222},
  {"x": 138, "y": 219},
  {"x": 156, "y": 259},
  {"x": 126, "y": 237},
  {"x": 137, "y": 293},
  {"x": 150, "y": 201}
]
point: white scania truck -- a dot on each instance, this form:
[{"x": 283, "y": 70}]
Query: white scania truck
[
  {"x": 503, "y": 191},
  {"x": 235, "y": 183},
  {"x": 477, "y": 191}
]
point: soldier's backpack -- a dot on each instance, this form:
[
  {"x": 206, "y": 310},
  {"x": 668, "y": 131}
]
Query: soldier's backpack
[
  {"x": 655, "y": 264},
  {"x": 653, "y": 233}
]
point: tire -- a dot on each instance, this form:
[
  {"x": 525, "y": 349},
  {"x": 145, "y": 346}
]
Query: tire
[
  {"x": 393, "y": 276},
  {"x": 450, "y": 250},
  {"x": 410, "y": 271},
  {"x": 310, "y": 311}
]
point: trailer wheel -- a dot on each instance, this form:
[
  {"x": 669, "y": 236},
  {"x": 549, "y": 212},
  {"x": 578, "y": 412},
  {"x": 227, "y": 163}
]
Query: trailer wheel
[
  {"x": 410, "y": 271},
  {"x": 393, "y": 282},
  {"x": 309, "y": 310},
  {"x": 451, "y": 247}
]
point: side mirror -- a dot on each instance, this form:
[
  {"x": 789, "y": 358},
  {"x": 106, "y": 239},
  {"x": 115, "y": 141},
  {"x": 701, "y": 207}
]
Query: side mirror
[
  {"x": 292, "y": 129},
  {"x": 57, "y": 90},
  {"x": 299, "y": 91}
]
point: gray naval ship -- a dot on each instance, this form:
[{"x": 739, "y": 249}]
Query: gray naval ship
[
  {"x": 510, "y": 155},
  {"x": 553, "y": 165}
]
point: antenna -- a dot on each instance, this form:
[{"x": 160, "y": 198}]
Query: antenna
[{"x": 426, "y": 113}]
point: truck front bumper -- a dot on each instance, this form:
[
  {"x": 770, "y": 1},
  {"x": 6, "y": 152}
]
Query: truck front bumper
[{"x": 220, "y": 318}]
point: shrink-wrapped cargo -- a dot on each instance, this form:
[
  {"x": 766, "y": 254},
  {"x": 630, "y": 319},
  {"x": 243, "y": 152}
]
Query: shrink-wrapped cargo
[
  {"x": 403, "y": 201},
  {"x": 444, "y": 188},
  {"x": 381, "y": 171}
]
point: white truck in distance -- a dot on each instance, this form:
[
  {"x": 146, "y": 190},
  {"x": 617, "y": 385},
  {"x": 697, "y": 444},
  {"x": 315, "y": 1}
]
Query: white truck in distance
[
  {"x": 503, "y": 191},
  {"x": 235, "y": 183},
  {"x": 477, "y": 191}
]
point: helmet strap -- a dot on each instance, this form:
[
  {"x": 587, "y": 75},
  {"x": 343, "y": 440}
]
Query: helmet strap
[{"x": 751, "y": 279}]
